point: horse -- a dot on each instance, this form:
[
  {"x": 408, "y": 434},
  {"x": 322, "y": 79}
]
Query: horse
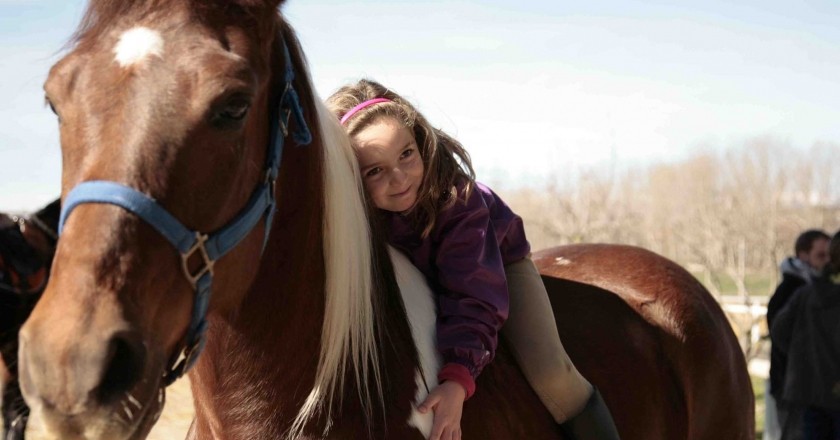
[
  {"x": 291, "y": 316},
  {"x": 26, "y": 248}
]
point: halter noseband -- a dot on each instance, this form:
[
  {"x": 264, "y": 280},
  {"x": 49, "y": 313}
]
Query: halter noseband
[{"x": 210, "y": 246}]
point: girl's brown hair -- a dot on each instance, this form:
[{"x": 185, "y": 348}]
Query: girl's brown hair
[{"x": 445, "y": 161}]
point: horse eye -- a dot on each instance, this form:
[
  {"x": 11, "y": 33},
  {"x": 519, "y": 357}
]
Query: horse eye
[
  {"x": 231, "y": 114},
  {"x": 236, "y": 110}
]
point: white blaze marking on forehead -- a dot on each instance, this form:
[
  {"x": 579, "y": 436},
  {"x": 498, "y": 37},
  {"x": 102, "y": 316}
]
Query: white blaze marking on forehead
[{"x": 136, "y": 44}]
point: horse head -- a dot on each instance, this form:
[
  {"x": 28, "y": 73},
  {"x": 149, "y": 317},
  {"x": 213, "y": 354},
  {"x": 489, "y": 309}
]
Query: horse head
[{"x": 164, "y": 105}]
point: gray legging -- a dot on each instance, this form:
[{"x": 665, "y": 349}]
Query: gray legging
[{"x": 531, "y": 334}]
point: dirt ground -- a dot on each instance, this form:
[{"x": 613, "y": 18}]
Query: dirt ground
[{"x": 174, "y": 421}]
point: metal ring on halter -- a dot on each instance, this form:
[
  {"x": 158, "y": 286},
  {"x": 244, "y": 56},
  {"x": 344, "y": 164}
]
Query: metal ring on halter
[{"x": 200, "y": 239}]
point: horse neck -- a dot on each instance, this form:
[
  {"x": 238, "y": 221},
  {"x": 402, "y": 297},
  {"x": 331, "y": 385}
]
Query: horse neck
[
  {"x": 267, "y": 352},
  {"x": 260, "y": 360}
]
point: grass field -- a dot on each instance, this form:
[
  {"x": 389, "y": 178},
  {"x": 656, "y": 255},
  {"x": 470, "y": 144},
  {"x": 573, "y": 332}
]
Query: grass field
[{"x": 756, "y": 283}]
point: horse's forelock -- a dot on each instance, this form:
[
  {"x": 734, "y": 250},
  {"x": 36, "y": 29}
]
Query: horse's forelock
[{"x": 101, "y": 14}]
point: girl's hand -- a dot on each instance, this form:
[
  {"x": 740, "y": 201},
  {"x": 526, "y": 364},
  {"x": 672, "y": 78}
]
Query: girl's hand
[{"x": 447, "y": 401}]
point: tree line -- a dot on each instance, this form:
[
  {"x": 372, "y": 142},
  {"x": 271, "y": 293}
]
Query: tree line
[{"x": 732, "y": 213}]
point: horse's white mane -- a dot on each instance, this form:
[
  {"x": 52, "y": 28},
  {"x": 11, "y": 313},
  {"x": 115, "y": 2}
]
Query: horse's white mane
[{"x": 347, "y": 336}]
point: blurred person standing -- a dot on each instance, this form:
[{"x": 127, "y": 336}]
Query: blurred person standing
[
  {"x": 782, "y": 419},
  {"x": 807, "y": 330}
]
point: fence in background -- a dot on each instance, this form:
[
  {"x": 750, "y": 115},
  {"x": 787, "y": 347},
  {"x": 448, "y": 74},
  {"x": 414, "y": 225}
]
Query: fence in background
[{"x": 747, "y": 316}]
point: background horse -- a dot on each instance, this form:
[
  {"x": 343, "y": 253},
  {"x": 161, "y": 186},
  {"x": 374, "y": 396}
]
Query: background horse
[
  {"x": 26, "y": 248},
  {"x": 172, "y": 104}
]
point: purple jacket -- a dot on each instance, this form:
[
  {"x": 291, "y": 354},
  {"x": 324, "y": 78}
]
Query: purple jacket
[{"x": 463, "y": 258}]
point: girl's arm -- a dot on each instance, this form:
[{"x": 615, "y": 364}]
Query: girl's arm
[{"x": 472, "y": 290}]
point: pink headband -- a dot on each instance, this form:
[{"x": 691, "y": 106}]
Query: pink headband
[{"x": 356, "y": 109}]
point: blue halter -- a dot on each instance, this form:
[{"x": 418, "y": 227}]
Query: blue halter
[{"x": 210, "y": 246}]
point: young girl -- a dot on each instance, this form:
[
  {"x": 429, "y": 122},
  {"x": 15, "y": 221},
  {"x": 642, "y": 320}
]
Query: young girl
[{"x": 473, "y": 250}]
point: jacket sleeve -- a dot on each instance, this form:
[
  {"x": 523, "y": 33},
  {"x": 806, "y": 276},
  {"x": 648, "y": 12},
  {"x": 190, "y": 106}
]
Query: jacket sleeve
[
  {"x": 473, "y": 299},
  {"x": 781, "y": 297},
  {"x": 781, "y": 331}
]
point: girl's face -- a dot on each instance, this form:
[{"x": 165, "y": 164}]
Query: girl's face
[{"x": 390, "y": 162}]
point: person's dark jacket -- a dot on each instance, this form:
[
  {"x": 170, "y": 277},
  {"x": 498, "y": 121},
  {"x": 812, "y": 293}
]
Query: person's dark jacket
[
  {"x": 795, "y": 274},
  {"x": 808, "y": 331}
]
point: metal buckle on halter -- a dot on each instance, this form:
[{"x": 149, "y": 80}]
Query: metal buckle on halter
[{"x": 200, "y": 239}]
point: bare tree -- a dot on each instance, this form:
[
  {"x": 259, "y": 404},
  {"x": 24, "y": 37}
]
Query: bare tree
[{"x": 726, "y": 216}]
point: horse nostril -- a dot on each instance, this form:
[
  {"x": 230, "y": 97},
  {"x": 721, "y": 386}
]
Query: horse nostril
[{"x": 126, "y": 358}]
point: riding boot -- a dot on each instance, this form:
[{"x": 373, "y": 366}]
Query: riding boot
[{"x": 593, "y": 423}]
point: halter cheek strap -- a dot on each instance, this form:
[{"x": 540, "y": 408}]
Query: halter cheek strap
[{"x": 209, "y": 247}]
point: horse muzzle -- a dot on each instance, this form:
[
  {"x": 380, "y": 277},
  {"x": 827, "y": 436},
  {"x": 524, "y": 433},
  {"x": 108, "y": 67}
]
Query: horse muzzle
[{"x": 90, "y": 382}]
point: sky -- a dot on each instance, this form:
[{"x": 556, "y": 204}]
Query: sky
[{"x": 533, "y": 89}]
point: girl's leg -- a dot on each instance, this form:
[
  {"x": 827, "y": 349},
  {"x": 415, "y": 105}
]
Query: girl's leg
[{"x": 532, "y": 335}]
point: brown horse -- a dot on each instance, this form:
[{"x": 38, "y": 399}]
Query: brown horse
[
  {"x": 26, "y": 248},
  {"x": 171, "y": 105}
]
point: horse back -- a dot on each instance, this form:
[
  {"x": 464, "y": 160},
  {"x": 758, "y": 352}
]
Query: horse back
[{"x": 652, "y": 339}]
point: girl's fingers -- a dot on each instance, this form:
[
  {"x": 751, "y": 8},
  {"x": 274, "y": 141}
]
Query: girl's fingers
[
  {"x": 447, "y": 434},
  {"x": 450, "y": 433},
  {"x": 430, "y": 402},
  {"x": 437, "y": 432}
]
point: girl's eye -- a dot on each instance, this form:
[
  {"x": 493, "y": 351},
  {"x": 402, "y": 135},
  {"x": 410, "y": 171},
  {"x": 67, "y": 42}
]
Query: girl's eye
[
  {"x": 373, "y": 172},
  {"x": 407, "y": 153}
]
